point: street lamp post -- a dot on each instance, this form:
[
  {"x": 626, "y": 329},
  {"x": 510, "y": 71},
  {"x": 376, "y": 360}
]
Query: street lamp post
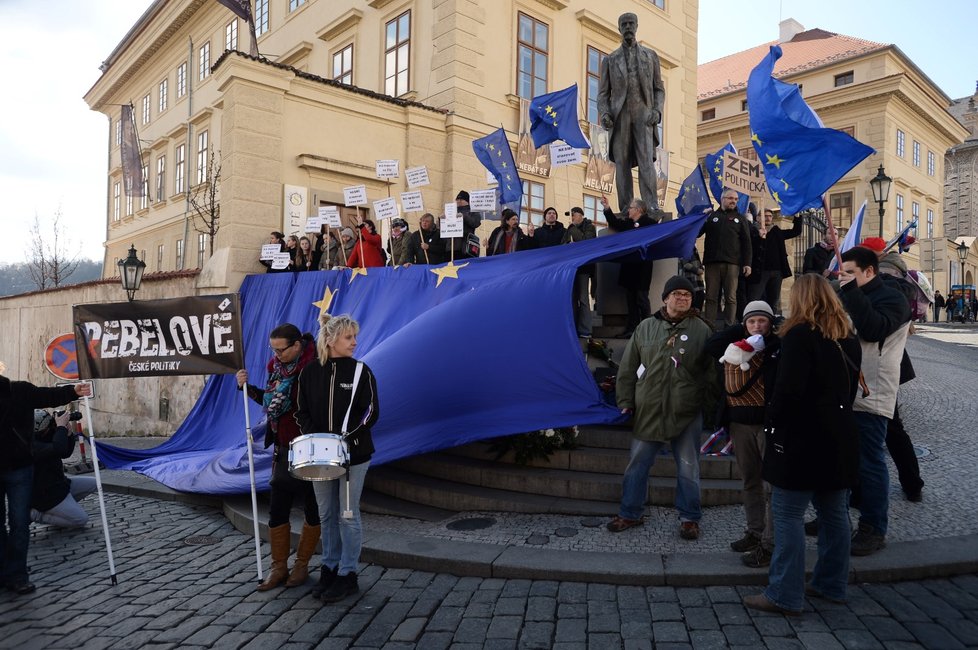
[
  {"x": 880, "y": 185},
  {"x": 131, "y": 272},
  {"x": 962, "y": 256}
]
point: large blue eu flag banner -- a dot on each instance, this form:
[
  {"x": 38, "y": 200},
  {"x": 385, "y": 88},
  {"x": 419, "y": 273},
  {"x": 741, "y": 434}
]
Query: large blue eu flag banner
[
  {"x": 802, "y": 159},
  {"x": 449, "y": 345}
]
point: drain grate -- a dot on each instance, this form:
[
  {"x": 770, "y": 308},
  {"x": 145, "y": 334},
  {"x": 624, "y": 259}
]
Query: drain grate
[
  {"x": 201, "y": 540},
  {"x": 474, "y": 523}
]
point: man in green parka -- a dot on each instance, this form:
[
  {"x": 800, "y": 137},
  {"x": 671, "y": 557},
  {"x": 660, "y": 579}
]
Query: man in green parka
[{"x": 664, "y": 380}]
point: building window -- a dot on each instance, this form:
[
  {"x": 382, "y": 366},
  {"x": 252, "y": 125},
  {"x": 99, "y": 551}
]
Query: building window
[
  {"x": 181, "y": 79},
  {"x": 261, "y": 17},
  {"x": 128, "y": 205},
  {"x": 116, "y": 201},
  {"x": 181, "y": 161},
  {"x": 179, "y": 254},
  {"x": 144, "y": 199},
  {"x": 849, "y": 130},
  {"x": 295, "y": 4},
  {"x": 840, "y": 208},
  {"x": 843, "y": 79},
  {"x": 146, "y": 109},
  {"x": 201, "y": 249},
  {"x": 343, "y": 65},
  {"x": 201, "y": 157},
  {"x": 661, "y": 4},
  {"x": 161, "y": 178},
  {"x": 231, "y": 35},
  {"x": 397, "y": 54},
  {"x": 931, "y": 163},
  {"x": 593, "y": 209},
  {"x": 204, "y": 61},
  {"x": 930, "y": 224},
  {"x": 532, "y": 205},
  {"x": 708, "y": 114},
  {"x": 118, "y": 132},
  {"x": 163, "y": 94},
  {"x": 533, "y": 47},
  {"x": 743, "y": 105},
  {"x": 901, "y": 142},
  {"x": 159, "y": 257},
  {"x": 899, "y": 203},
  {"x": 594, "y": 59},
  {"x": 916, "y": 154}
]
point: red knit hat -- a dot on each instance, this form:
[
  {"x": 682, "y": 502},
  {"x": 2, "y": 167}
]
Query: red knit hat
[{"x": 875, "y": 244}]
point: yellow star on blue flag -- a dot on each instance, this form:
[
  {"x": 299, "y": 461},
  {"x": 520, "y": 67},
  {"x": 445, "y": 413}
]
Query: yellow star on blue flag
[{"x": 545, "y": 124}]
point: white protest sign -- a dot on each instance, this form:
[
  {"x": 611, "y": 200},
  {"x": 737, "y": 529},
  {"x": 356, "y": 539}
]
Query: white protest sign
[
  {"x": 562, "y": 154},
  {"x": 313, "y": 224},
  {"x": 355, "y": 195},
  {"x": 451, "y": 226},
  {"x": 269, "y": 250},
  {"x": 483, "y": 200},
  {"x": 416, "y": 177},
  {"x": 451, "y": 209},
  {"x": 490, "y": 179},
  {"x": 330, "y": 215},
  {"x": 386, "y": 209},
  {"x": 387, "y": 168},
  {"x": 280, "y": 261},
  {"x": 412, "y": 201}
]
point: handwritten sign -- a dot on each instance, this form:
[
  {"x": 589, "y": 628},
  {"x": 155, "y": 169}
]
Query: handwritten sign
[
  {"x": 313, "y": 224},
  {"x": 280, "y": 261},
  {"x": 416, "y": 177},
  {"x": 451, "y": 226},
  {"x": 268, "y": 251},
  {"x": 386, "y": 209},
  {"x": 387, "y": 168},
  {"x": 483, "y": 200},
  {"x": 355, "y": 195},
  {"x": 330, "y": 215},
  {"x": 562, "y": 154},
  {"x": 412, "y": 201},
  {"x": 745, "y": 176},
  {"x": 451, "y": 210}
]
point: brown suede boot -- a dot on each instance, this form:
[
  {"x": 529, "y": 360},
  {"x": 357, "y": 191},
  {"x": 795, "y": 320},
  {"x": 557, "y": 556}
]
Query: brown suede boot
[
  {"x": 279, "y": 537},
  {"x": 307, "y": 546}
]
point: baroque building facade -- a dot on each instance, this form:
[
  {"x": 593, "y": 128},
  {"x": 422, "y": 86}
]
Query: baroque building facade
[{"x": 961, "y": 173}]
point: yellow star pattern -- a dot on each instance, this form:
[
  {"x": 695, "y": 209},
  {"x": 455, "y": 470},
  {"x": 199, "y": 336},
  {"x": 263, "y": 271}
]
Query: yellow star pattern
[
  {"x": 450, "y": 270},
  {"x": 776, "y": 197},
  {"x": 785, "y": 183},
  {"x": 755, "y": 138},
  {"x": 774, "y": 160},
  {"x": 360, "y": 270},
  {"x": 327, "y": 300}
]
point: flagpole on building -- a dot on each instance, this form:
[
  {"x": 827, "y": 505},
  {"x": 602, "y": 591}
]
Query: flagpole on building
[
  {"x": 251, "y": 474},
  {"x": 98, "y": 486}
]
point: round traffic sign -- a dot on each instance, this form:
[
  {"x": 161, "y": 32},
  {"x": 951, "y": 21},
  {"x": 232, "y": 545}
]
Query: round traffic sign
[{"x": 61, "y": 358}]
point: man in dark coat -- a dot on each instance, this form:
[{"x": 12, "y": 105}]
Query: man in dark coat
[
  {"x": 726, "y": 254},
  {"x": 634, "y": 275},
  {"x": 470, "y": 222},
  {"x": 581, "y": 229},
  {"x": 18, "y": 399},
  {"x": 819, "y": 256},
  {"x": 630, "y": 100},
  {"x": 770, "y": 265},
  {"x": 55, "y": 498}
]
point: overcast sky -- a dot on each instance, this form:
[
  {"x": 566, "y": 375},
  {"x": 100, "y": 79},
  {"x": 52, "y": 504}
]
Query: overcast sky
[{"x": 53, "y": 148}]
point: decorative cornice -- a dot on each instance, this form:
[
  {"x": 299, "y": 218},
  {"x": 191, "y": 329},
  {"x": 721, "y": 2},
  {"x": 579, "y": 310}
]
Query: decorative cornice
[
  {"x": 597, "y": 24},
  {"x": 346, "y": 21},
  {"x": 556, "y": 5},
  {"x": 202, "y": 115},
  {"x": 295, "y": 54},
  {"x": 379, "y": 4}
]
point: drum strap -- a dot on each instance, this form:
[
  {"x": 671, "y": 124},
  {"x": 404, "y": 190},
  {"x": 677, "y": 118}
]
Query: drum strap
[{"x": 353, "y": 393}]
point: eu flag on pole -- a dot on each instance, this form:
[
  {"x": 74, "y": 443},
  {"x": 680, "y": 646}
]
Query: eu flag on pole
[
  {"x": 493, "y": 151},
  {"x": 693, "y": 197},
  {"x": 802, "y": 159},
  {"x": 554, "y": 117}
]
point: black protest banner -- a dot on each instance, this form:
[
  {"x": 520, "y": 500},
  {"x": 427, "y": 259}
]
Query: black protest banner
[{"x": 198, "y": 335}]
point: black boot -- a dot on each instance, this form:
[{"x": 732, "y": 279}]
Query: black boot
[
  {"x": 342, "y": 587},
  {"x": 326, "y": 579}
]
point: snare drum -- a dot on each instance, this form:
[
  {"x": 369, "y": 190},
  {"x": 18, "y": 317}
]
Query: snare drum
[{"x": 318, "y": 457}]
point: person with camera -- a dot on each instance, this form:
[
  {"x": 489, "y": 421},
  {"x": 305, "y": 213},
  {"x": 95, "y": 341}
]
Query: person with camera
[{"x": 55, "y": 497}]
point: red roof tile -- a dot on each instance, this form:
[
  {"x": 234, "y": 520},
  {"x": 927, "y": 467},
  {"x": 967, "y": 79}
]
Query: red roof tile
[{"x": 807, "y": 50}]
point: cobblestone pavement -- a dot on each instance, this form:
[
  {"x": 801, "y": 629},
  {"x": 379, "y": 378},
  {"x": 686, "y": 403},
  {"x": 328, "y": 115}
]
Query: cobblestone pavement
[{"x": 174, "y": 594}]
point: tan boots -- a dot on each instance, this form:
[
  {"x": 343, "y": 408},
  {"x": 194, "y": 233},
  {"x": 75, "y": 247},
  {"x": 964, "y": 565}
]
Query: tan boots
[
  {"x": 280, "y": 539},
  {"x": 307, "y": 546}
]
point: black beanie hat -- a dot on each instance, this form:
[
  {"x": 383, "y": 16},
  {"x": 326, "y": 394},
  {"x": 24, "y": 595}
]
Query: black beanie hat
[
  {"x": 463, "y": 195},
  {"x": 677, "y": 282}
]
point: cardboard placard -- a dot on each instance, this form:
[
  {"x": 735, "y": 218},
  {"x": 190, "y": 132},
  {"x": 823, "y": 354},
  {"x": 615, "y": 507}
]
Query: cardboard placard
[
  {"x": 451, "y": 226},
  {"x": 281, "y": 261},
  {"x": 386, "y": 209},
  {"x": 562, "y": 154},
  {"x": 355, "y": 195},
  {"x": 268, "y": 251},
  {"x": 451, "y": 209},
  {"x": 745, "y": 176},
  {"x": 330, "y": 216},
  {"x": 416, "y": 177},
  {"x": 313, "y": 224},
  {"x": 483, "y": 200},
  {"x": 412, "y": 201},
  {"x": 388, "y": 168}
]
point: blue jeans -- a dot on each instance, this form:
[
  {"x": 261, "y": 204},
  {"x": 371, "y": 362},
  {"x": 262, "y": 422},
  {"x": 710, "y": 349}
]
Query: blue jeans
[
  {"x": 786, "y": 577},
  {"x": 16, "y": 486},
  {"x": 874, "y": 475},
  {"x": 635, "y": 486},
  {"x": 342, "y": 537}
]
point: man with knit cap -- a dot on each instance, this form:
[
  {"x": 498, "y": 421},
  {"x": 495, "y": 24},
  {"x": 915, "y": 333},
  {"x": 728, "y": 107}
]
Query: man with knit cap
[
  {"x": 747, "y": 391},
  {"x": 470, "y": 223},
  {"x": 663, "y": 380}
]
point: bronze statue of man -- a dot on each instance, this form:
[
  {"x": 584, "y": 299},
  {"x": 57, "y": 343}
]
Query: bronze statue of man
[{"x": 630, "y": 101}]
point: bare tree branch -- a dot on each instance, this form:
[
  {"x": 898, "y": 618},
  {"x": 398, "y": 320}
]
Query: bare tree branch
[
  {"x": 206, "y": 202},
  {"x": 49, "y": 261}
]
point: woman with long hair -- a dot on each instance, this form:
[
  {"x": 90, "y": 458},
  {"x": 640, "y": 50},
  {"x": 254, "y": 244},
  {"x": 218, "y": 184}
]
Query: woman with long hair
[
  {"x": 303, "y": 256},
  {"x": 812, "y": 447},
  {"x": 508, "y": 237},
  {"x": 334, "y": 389}
]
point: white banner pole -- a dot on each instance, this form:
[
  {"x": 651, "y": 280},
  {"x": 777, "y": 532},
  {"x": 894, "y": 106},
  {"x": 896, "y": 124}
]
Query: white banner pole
[
  {"x": 251, "y": 472},
  {"x": 98, "y": 485}
]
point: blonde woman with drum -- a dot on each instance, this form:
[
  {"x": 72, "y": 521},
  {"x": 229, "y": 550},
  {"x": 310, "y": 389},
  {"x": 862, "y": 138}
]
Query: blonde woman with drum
[{"x": 334, "y": 391}]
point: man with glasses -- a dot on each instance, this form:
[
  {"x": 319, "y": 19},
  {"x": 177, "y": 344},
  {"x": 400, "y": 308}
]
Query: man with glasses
[
  {"x": 635, "y": 274},
  {"x": 663, "y": 381},
  {"x": 726, "y": 254}
]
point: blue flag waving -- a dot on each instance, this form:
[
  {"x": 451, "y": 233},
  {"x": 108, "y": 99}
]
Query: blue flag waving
[
  {"x": 852, "y": 238},
  {"x": 693, "y": 196},
  {"x": 494, "y": 153},
  {"x": 554, "y": 117},
  {"x": 802, "y": 159}
]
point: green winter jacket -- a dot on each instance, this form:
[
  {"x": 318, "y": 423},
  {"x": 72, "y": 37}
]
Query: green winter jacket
[{"x": 677, "y": 377}]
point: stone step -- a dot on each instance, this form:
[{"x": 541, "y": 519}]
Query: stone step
[
  {"x": 548, "y": 482},
  {"x": 377, "y": 503}
]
